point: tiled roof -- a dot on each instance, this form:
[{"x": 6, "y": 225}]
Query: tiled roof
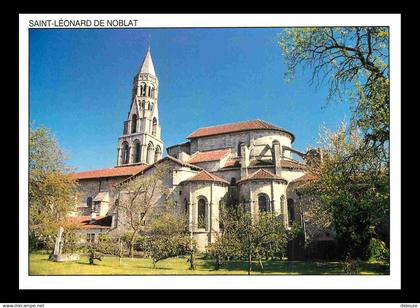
[
  {"x": 232, "y": 163},
  {"x": 83, "y": 222},
  {"x": 206, "y": 177},
  {"x": 285, "y": 163},
  {"x": 111, "y": 172},
  {"x": 305, "y": 178},
  {"x": 235, "y": 127},
  {"x": 200, "y": 157},
  {"x": 175, "y": 160},
  {"x": 262, "y": 174}
]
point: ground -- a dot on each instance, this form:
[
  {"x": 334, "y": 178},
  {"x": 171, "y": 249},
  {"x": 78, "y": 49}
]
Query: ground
[{"x": 40, "y": 265}]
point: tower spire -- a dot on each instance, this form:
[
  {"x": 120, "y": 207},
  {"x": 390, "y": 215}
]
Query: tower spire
[{"x": 147, "y": 66}]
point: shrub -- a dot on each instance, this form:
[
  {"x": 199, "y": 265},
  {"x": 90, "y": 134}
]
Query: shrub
[{"x": 377, "y": 250}]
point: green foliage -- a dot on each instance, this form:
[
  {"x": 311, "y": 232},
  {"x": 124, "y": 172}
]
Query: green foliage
[
  {"x": 354, "y": 60},
  {"x": 353, "y": 188},
  {"x": 378, "y": 251},
  {"x": 51, "y": 189},
  {"x": 351, "y": 266},
  {"x": 167, "y": 237},
  {"x": 353, "y": 180},
  {"x": 138, "y": 196},
  {"x": 246, "y": 237},
  {"x": 70, "y": 239}
]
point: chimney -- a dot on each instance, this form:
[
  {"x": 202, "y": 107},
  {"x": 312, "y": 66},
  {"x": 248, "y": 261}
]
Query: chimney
[
  {"x": 277, "y": 157},
  {"x": 114, "y": 220},
  {"x": 92, "y": 217}
]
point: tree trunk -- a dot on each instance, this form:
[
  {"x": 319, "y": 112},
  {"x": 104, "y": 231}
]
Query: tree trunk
[
  {"x": 192, "y": 260},
  {"x": 132, "y": 242},
  {"x": 249, "y": 263}
]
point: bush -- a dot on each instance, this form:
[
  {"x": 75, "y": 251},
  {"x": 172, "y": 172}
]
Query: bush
[
  {"x": 377, "y": 250},
  {"x": 351, "y": 266},
  {"x": 162, "y": 247}
]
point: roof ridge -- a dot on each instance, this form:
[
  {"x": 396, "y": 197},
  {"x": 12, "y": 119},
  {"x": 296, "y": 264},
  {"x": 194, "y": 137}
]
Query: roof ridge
[{"x": 228, "y": 124}]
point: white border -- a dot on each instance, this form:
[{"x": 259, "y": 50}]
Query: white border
[{"x": 392, "y": 281}]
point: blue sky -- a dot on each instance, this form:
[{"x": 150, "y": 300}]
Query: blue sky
[{"x": 80, "y": 86}]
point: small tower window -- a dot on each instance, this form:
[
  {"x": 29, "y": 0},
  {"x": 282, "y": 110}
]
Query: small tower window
[
  {"x": 232, "y": 181},
  {"x": 89, "y": 202},
  {"x": 239, "y": 149},
  {"x": 143, "y": 89},
  {"x": 134, "y": 123},
  {"x": 154, "y": 126}
]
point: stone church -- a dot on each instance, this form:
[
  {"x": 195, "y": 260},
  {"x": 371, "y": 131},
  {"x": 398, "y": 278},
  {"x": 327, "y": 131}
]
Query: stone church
[{"x": 255, "y": 159}]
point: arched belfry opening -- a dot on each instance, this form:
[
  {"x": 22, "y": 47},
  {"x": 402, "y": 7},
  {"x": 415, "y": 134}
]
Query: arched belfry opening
[
  {"x": 134, "y": 123},
  {"x": 125, "y": 153},
  {"x": 137, "y": 155},
  {"x": 158, "y": 153},
  {"x": 150, "y": 153}
]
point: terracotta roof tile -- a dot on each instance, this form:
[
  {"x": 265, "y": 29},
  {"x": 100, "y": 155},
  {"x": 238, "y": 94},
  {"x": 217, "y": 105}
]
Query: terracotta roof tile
[
  {"x": 111, "y": 172},
  {"x": 235, "y": 127},
  {"x": 285, "y": 163},
  {"x": 262, "y": 174},
  {"x": 232, "y": 163},
  {"x": 216, "y": 155},
  {"x": 206, "y": 177},
  {"x": 83, "y": 222},
  {"x": 306, "y": 177}
]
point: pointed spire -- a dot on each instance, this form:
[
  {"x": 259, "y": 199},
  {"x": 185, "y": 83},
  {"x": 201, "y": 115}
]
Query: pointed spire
[{"x": 147, "y": 66}]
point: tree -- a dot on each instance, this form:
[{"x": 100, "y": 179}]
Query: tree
[
  {"x": 51, "y": 188},
  {"x": 137, "y": 198},
  {"x": 168, "y": 237},
  {"x": 354, "y": 61},
  {"x": 353, "y": 192},
  {"x": 248, "y": 236},
  {"x": 353, "y": 178}
]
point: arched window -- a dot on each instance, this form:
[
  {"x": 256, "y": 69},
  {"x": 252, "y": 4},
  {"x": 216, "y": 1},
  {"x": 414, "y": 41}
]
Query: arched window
[
  {"x": 158, "y": 153},
  {"x": 154, "y": 126},
  {"x": 143, "y": 105},
  {"x": 125, "y": 153},
  {"x": 137, "y": 157},
  {"x": 232, "y": 181},
  {"x": 133, "y": 123},
  {"x": 89, "y": 202},
  {"x": 150, "y": 153},
  {"x": 291, "y": 210},
  {"x": 143, "y": 89},
  {"x": 201, "y": 212},
  {"x": 153, "y": 92},
  {"x": 239, "y": 149},
  {"x": 263, "y": 204}
]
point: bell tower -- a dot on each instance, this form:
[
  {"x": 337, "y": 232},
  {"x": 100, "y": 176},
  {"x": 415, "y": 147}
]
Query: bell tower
[{"x": 140, "y": 142}]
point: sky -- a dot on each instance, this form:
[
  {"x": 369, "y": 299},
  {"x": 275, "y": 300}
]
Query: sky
[{"x": 81, "y": 83}]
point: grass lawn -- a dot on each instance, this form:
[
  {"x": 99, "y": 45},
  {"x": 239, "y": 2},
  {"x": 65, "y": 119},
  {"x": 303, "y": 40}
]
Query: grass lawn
[{"x": 40, "y": 265}]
